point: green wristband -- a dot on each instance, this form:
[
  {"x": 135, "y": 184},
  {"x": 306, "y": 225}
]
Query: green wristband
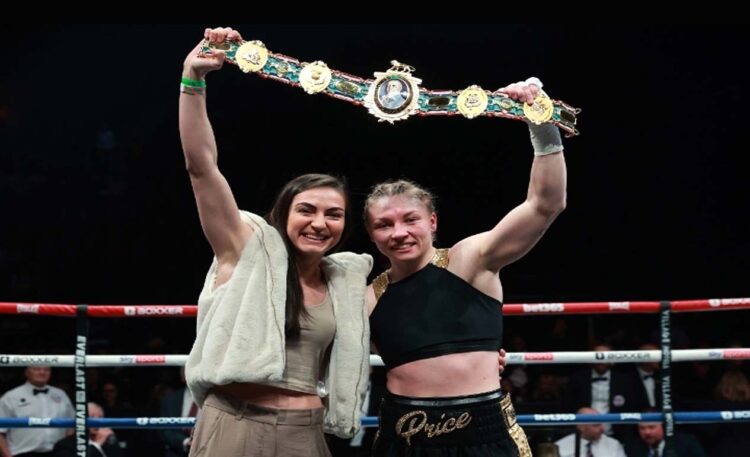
[{"x": 193, "y": 82}]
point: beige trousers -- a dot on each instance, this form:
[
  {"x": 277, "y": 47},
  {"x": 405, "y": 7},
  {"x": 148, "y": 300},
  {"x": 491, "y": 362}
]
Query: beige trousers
[{"x": 231, "y": 427}]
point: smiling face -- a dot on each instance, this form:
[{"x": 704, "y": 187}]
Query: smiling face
[
  {"x": 316, "y": 221},
  {"x": 401, "y": 220},
  {"x": 310, "y": 214},
  {"x": 401, "y": 227}
]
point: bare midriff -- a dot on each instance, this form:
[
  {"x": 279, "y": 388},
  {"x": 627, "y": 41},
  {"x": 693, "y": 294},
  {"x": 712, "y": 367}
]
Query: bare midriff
[
  {"x": 269, "y": 396},
  {"x": 450, "y": 375}
]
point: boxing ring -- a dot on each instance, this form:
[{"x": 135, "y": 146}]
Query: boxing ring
[{"x": 666, "y": 356}]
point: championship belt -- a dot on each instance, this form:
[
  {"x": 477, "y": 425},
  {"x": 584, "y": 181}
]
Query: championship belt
[{"x": 393, "y": 95}]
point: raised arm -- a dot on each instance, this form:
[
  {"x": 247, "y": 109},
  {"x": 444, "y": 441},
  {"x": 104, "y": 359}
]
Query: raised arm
[
  {"x": 217, "y": 208},
  {"x": 520, "y": 229}
]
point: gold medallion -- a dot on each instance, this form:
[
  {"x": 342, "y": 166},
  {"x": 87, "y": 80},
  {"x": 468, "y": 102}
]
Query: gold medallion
[
  {"x": 541, "y": 110},
  {"x": 251, "y": 56},
  {"x": 472, "y": 101},
  {"x": 394, "y": 95},
  {"x": 315, "y": 77}
]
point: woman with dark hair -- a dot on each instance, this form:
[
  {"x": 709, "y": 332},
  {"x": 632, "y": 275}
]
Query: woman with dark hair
[{"x": 282, "y": 342}]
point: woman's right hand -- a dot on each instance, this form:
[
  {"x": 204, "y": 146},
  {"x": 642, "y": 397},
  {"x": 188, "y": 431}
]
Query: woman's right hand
[{"x": 195, "y": 66}]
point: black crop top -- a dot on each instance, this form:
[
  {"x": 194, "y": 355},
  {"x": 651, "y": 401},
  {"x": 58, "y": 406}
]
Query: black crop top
[{"x": 433, "y": 312}]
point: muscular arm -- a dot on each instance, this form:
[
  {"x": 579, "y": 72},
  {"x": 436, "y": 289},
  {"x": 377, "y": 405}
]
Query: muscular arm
[
  {"x": 217, "y": 208},
  {"x": 520, "y": 229},
  {"x": 523, "y": 227}
]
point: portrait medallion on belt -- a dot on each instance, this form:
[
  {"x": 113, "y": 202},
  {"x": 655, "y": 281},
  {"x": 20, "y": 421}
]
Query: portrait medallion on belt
[{"x": 394, "y": 95}]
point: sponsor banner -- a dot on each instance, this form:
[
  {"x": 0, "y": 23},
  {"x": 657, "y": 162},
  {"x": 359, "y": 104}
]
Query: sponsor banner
[
  {"x": 29, "y": 360},
  {"x": 153, "y": 310},
  {"x": 544, "y": 308},
  {"x": 27, "y": 308},
  {"x": 150, "y": 359},
  {"x": 554, "y": 417}
]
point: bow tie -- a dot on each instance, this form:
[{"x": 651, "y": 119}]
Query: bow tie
[
  {"x": 599, "y": 378},
  {"x": 41, "y": 391}
]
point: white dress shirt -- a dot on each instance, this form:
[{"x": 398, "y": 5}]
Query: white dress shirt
[
  {"x": 600, "y": 391},
  {"x": 649, "y": 384},
  {"x": 600, "y": 395},
  {"x": 603, "y": 447},
  {"x": 22, "y": 402}
]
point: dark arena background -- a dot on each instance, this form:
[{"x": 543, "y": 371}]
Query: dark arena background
[{"x": 97, "y": 206}]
